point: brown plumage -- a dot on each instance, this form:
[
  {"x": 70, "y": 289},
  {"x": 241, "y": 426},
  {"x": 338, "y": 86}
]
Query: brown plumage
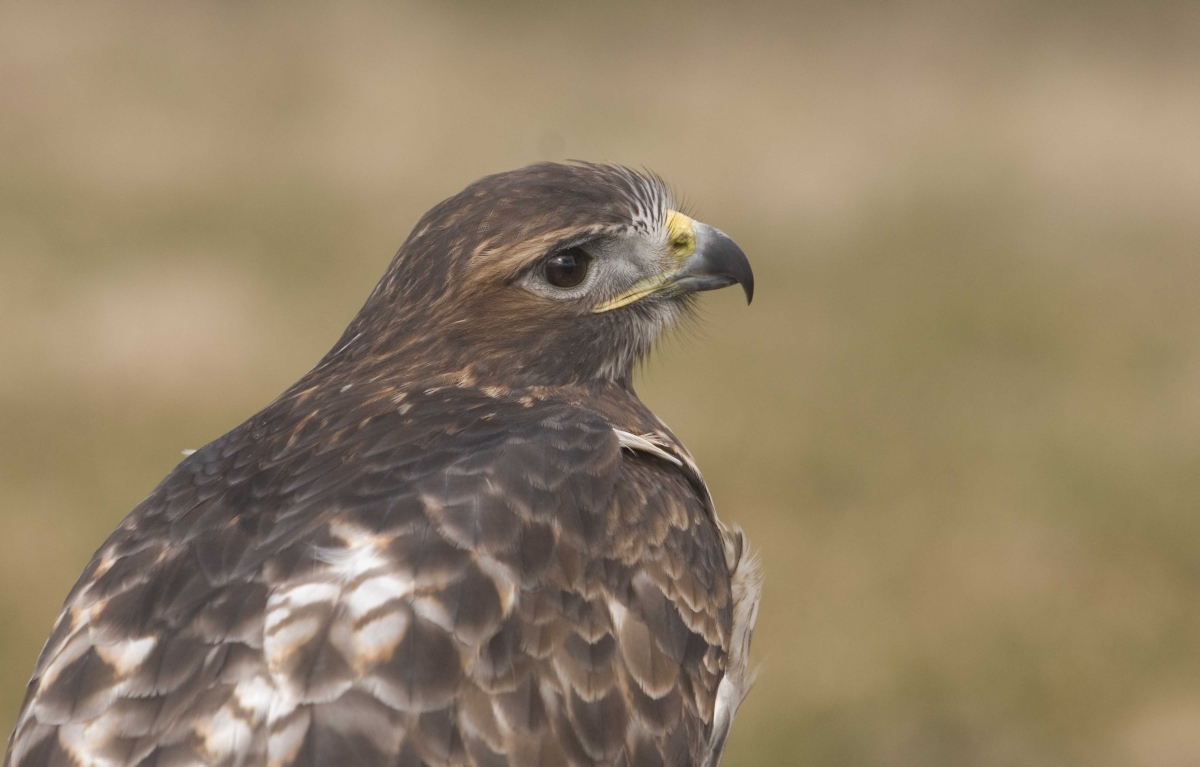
[{"x": 461, "y": 539}]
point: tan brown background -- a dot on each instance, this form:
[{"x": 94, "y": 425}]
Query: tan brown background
[{"x": 962, "y": 417}]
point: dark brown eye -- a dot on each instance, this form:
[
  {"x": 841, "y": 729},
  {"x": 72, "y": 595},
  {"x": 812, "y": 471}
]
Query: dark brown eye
[{"x": 567, "y": 268}]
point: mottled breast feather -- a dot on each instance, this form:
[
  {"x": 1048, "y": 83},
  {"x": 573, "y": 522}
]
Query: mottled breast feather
[{"x": 429, "y": 578}]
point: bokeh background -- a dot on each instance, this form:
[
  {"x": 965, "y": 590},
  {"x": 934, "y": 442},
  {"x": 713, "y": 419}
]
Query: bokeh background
[{"x": 961, "y": 419}]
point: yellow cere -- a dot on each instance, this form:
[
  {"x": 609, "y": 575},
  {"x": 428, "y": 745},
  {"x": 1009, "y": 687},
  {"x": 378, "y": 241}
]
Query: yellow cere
[
  {"x": 681, "y": 234},
  {"x": 681, "y": 239}
]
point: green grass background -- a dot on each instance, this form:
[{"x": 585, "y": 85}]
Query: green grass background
[{"x": 961, "y": 419}]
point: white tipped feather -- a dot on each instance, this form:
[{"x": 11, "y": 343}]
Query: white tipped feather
[
  {"x": 631, "y": 441},
  {"x": 746, "y": 572}
]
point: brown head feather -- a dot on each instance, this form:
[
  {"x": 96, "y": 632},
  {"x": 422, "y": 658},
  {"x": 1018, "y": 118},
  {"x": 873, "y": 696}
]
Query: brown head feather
[{"x": 447, "y": 308}]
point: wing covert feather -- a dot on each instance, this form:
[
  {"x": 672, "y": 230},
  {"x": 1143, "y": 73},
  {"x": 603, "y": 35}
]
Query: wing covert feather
[{"x": 518, "y": 590}]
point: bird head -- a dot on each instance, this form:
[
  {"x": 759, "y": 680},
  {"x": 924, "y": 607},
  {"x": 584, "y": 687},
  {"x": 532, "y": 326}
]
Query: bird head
[{"x": 550, "y": 274}]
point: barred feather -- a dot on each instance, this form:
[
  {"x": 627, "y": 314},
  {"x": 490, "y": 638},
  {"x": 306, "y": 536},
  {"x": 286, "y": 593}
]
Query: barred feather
[{"x": 380, "y": 572}]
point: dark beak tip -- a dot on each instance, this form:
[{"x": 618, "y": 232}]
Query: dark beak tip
[
  {"x": 733, "y": 262},
  {"x": 719, "y": 264},
  {"x": 739, "y": 269}
]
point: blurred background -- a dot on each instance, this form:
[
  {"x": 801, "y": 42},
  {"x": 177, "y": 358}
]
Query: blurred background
[{"x": 961, "y": 419}]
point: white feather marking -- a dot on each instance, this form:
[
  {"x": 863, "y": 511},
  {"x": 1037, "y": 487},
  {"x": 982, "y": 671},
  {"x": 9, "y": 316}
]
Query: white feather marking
[
  {"x": 187, "y": 452},
  {"x": 631, "y": 441},
  {"x": 284, "y": 632},
  {"x": 255, "y": 696},
  {"x": 505, "y": 581},
  {"x": 434, "y": 611},
  {"x": 281, "y": 604},
  {"x": 283, "y": 704},
  {"x": 284, "y": 743},
  {"x": 617, "y": 612},
  {"x": 125, "y": 657},
  {"x": 85, "y": 741},
  {"x": 289, "y": 636},
  {"x": 362, "y": 554},
  {"x": 746, "y": 579},
  {"x": 343, "y": 346},
  {"x": 378, "y": 639},
  {"x": 376, "y": 592},
  {"x": 224, "y": 733}
]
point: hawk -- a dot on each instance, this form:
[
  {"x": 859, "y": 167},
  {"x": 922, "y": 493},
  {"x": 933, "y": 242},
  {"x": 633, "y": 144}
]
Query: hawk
[{"x": 460, "y": 539}]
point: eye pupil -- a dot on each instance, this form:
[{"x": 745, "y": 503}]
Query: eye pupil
[{"x": 567, "y": 268}]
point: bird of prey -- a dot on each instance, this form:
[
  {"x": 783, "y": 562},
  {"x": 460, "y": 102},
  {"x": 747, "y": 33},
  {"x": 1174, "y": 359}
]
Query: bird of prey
[{"x": 460, "y": 539}]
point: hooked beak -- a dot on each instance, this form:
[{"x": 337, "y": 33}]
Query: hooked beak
[
  {"x": 717, "y": 262},
  {"x": 707, "y": 260}
]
